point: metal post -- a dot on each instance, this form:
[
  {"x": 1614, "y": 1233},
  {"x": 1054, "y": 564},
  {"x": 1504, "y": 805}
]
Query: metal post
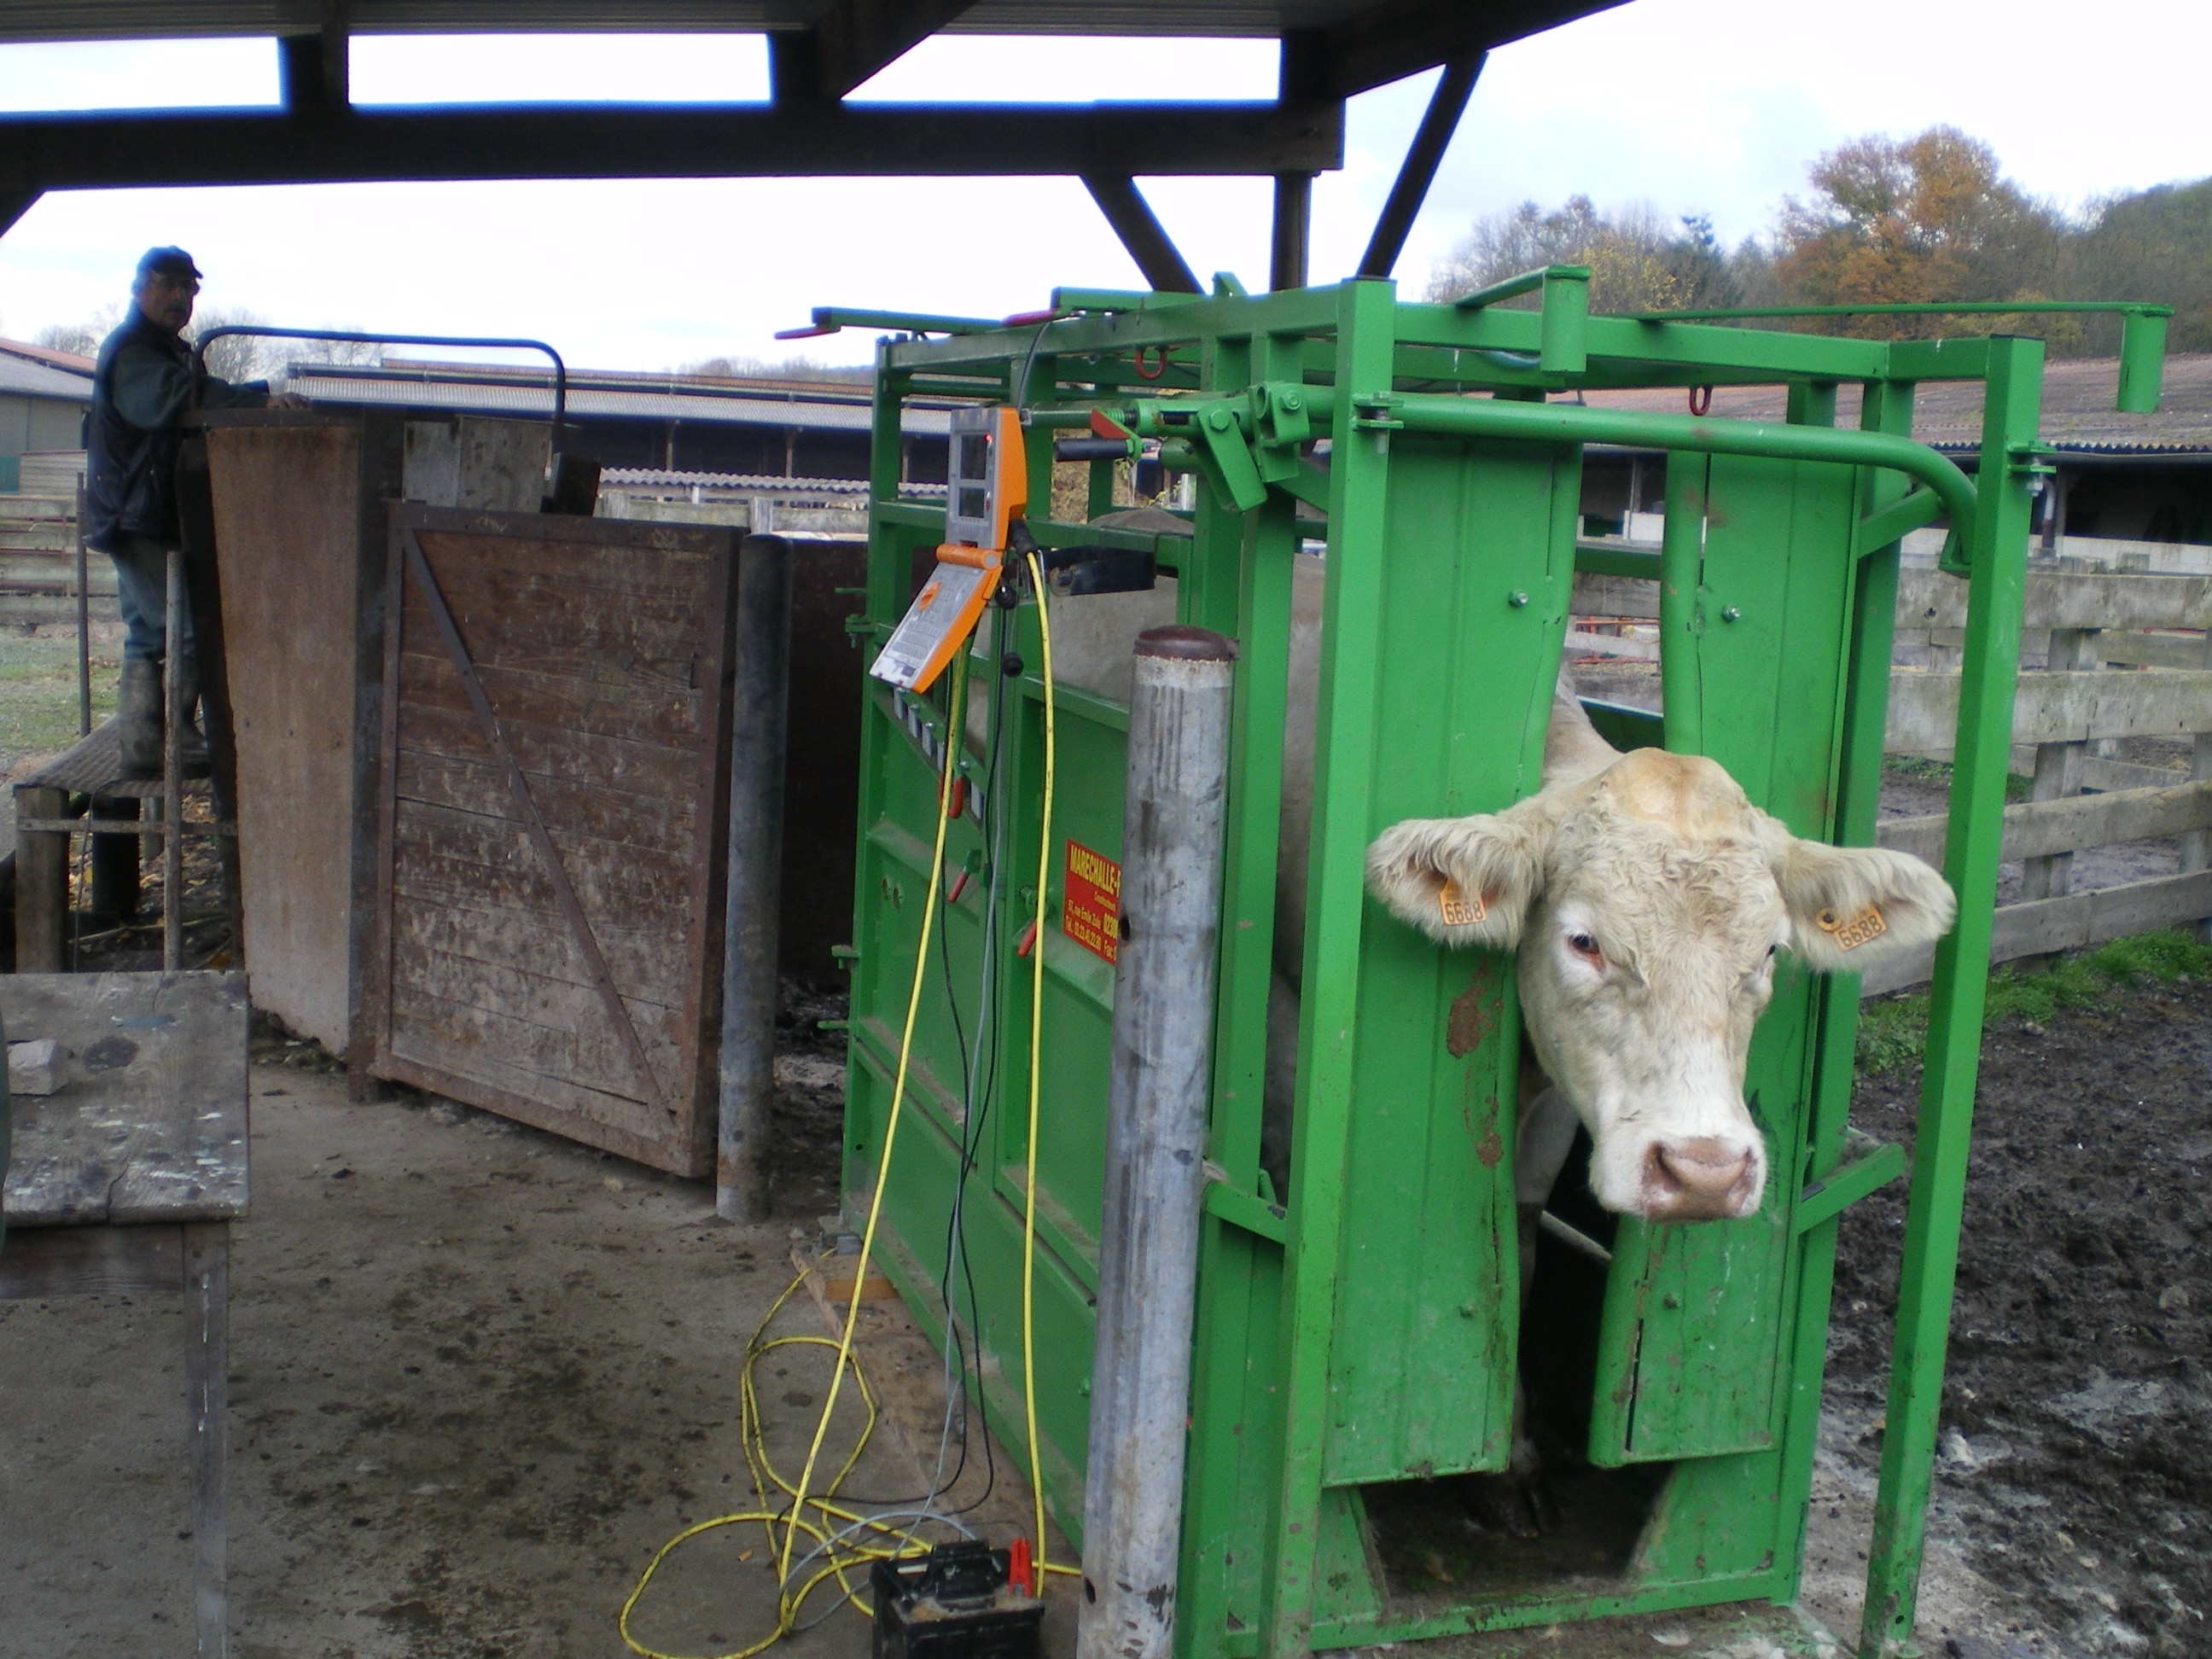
[
  {"x": 1682, "y": 563},
  {"x": 1936, "y": 1205},
  {"x": 1290, "y": 231},
  {"x": 758, "y": 718},
  {"x": 1423, "y": 157},
  {"x": 83, "y": 624},
  {"x": 173, "y": 729},
  {"x": 1170, "y": 914}
]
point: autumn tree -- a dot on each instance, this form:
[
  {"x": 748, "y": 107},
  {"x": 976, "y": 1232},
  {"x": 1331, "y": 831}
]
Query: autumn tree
[
  {"x": 1910, "y": 221},
  {"x": 1637, "y": 261}
]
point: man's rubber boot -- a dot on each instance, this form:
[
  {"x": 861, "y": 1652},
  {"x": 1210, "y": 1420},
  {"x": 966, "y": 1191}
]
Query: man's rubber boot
[
  {"x": 192, "y": 752},
  {"x": 138, "y": 717}
]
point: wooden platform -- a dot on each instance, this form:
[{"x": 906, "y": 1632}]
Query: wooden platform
[
  {"x": 151, "y": 1123},
  {"x": 125, "y": 1180},
  {"x": 91, "y": 768},
  {"x": 93, "y": 765}
]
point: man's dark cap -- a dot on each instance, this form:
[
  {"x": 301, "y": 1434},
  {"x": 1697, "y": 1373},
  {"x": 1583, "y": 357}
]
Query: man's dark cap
[{"x": 168, "y": 262}]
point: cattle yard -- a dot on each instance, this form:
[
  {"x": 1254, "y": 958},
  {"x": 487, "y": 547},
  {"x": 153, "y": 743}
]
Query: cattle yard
[
  {"x": 1101, "y": 1083},
  {"x": 2060, "y": 1466}
]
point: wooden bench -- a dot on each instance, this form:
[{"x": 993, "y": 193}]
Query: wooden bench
[{"x": 125, "y": 1181}]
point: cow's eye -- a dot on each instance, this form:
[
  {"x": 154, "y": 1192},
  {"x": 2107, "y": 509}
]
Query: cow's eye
[{"x": 1584, "y": 946}]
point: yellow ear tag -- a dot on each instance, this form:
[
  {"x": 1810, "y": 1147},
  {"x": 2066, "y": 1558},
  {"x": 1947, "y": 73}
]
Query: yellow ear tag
[
  {"x": 1457, "y": 908},
  {"x": 1866, "y": 926}
]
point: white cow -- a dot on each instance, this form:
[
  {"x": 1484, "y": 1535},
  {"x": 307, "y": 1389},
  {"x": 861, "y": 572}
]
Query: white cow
[{"x": 1644, "y": 895}]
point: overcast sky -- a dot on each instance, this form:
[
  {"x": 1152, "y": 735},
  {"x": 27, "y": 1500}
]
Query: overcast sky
[{"x": 1709, "y": 107}]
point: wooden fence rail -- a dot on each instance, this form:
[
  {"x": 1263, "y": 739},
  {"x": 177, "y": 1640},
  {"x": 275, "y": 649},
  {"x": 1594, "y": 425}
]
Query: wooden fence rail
[{"x": 2121, "y": 657}]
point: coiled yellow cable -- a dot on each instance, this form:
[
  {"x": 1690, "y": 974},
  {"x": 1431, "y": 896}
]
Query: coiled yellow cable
[{"x": 793, "y": 1519}]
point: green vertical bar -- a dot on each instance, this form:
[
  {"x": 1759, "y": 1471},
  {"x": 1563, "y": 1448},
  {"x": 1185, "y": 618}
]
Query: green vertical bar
[
  {"x": 1681, "y": 615},
  {"x": 1216, "y": 1516},
  {"x": 1100, "y": 498},
  {"x": 1343, "y": 779},
  {"x": 1887, "y": 407},
  {"x": 1207, "y": 594},
  {"x": 1999, "y": 554},
  {"x": 888, "y": 556}
]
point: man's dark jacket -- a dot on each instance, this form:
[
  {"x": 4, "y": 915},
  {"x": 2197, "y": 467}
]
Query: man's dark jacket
[{"x": 141, "y": 388}]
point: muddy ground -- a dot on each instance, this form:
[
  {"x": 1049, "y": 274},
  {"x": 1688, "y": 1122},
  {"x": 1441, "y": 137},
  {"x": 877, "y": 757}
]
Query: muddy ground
[
  {"x": 477, "y": 1375},
  {"x": 2077, "y": 1440}
]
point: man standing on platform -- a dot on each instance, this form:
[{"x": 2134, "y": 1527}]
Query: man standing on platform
[{"x": 143, "y": 386}]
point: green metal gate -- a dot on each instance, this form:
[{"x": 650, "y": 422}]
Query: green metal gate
[{"x": 1360, "y": 1331}]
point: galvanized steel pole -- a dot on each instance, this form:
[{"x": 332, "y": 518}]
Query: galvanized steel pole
[
  {"x": 757, "y": 723},
  {"x": 1170, "y": 909}
]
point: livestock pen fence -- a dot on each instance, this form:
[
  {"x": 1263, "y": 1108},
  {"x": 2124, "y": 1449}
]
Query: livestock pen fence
[{"x": 2106, "y": 659}]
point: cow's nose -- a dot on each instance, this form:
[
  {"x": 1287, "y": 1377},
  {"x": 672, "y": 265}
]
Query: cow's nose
[{"x": 1702, "y": 1179}]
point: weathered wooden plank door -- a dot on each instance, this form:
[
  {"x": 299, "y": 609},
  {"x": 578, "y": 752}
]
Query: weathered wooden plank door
[{"x": 548, "y": 937}]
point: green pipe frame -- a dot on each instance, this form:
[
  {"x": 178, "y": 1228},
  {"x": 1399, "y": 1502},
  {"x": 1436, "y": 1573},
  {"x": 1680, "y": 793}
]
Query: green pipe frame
[{"x": 1366, "y": 366}]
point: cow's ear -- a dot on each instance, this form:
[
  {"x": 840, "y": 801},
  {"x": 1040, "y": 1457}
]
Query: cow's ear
[
  {"x": 1851, "y": 907},
  {"x": 1461, "y": 881}
]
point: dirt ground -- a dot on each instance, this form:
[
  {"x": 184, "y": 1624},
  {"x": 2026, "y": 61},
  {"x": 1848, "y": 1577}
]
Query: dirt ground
[
  {"x": 479, "y": 1374},
  {"x": 2077, "y": 1443}
]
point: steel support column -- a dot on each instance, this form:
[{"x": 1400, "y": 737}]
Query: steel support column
[
  {"x": 1141, "y": 233},
  {"x": 1293, "y": 230},
  {"x": 1419, "y": 170}
]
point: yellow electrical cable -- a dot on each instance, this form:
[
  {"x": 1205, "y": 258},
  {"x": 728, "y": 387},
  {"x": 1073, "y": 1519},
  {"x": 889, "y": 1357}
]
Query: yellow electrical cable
[
  {"x": 1037, "y": 1030},
  {"x": 752, "y": 1436},
  {"x": 955, "y": 742},
  {"x": 793, "y": 1521}
]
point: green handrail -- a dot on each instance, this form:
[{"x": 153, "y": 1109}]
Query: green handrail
[
  {"x": 2142, "y": 329},
  {"x": 1485, "y": 417}
]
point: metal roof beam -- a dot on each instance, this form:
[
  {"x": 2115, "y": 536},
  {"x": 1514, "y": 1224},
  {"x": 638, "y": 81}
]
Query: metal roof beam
[
  {"x": 80, "y": 152},
  {"x": 1399, "y": 37},
  {"x": 855, "y": 38},
  {"x": 1419, "y": 170},
  {"x": 315, "y": 71},
  {"x": 1141, "y": 233}
]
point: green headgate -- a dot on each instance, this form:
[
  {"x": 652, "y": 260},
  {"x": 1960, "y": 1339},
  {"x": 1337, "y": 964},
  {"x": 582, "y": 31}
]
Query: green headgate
[{"x": 1357, "y": 1335}]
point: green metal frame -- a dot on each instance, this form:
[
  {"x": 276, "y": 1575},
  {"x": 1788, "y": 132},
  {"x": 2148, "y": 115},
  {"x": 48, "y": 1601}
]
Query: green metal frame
[{"x": 1361, "y": 1328}]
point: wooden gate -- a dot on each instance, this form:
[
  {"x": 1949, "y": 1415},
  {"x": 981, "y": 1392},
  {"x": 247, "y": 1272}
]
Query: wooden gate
[{"x": 553, "y": 796}]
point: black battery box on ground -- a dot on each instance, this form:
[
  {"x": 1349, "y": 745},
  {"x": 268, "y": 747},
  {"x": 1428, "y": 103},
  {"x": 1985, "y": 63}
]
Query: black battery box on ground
[{"x": 956, "y": 1602}]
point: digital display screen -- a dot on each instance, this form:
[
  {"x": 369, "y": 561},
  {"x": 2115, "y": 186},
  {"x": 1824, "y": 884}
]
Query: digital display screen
[
  {"x": 975, "y": 463},
  {"x": 974, "y": 502}
]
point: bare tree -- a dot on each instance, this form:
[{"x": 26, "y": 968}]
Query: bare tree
[
  {"x": 1637, "y": 261},
  {"x": 787, "y": 368},
  {"x": 237, "y": 356},
  {"x": 82, "y": 338}
]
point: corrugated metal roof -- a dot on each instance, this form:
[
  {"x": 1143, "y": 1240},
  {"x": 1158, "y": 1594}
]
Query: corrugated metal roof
[
  {"x": 23, "y": 378},
  {"x": 803, "y": 414},
  {"x": 2077, "y": 409},
  {"x": 654, "y": 477},
  {"x": 69, "y": 361}
]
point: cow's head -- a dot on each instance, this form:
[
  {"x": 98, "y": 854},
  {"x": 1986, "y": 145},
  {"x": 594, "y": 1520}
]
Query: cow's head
[{"x": 1646, "y": 901}]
